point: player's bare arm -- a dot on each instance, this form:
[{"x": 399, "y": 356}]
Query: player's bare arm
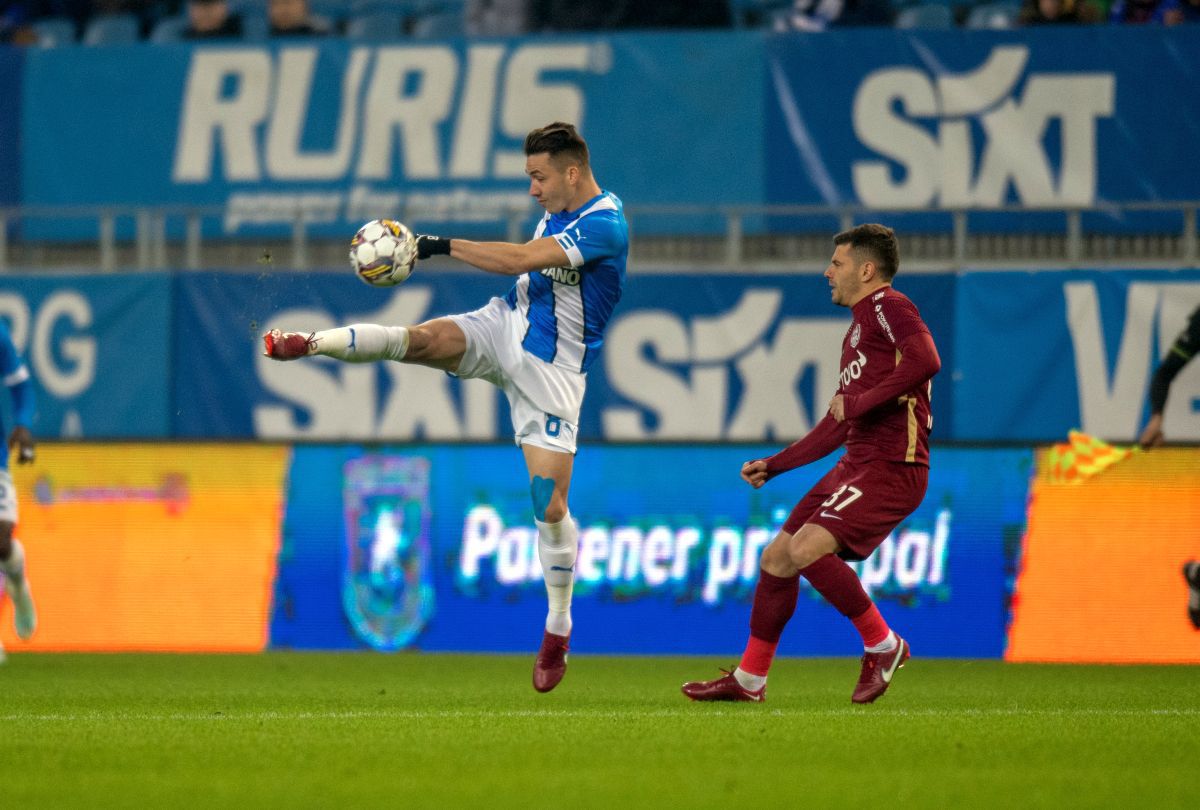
[{"x": 504, "y": 258}]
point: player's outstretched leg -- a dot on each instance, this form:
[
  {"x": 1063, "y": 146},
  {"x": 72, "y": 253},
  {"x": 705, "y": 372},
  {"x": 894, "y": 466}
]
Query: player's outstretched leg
[
  {"x": 17, "y": 585},
  {"x": 1191, "y": 573},
  {"x": 357, "y": 343}
]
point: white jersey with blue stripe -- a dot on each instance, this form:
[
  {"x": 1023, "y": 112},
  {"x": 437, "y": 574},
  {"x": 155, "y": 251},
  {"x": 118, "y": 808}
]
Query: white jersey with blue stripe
[{"x": 566, "y": 308}]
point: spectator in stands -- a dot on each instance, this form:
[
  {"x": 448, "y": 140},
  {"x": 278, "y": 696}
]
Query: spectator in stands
[
  {"x": 1048, "y": 12},
  {"x": 1186, "y": 11},
  {"x": 817, "y": 15},
  {"x": 496, "y": 18},
  {"x": 211, "y": 19},
  {"x": 292, "y": 18},
  {"x": 1093, "y": 11},
  {"x": 1139, "y": 12},
  {"x": 15, "y": 16},
  {"x": 608, "y": 15}
]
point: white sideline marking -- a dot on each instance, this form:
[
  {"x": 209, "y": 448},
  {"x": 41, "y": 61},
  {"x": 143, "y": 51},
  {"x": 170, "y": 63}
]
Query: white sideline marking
[{"x": 690, "y": 712}]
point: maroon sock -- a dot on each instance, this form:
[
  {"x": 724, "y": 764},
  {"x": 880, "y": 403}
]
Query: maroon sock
[
  {"x": 774, "y": 603},
  {"x": 836, "y": 581}
]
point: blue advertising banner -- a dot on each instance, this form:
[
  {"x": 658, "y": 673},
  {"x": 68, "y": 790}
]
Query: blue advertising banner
[
  {"x": 338, "y": 133},
  {"x": 98, "y": 351},
  {"x": 343, "y": 132},
  {"x": 1038, "y": 354},
  {"x": 11, "y": 62},
  {"x": 435, "y": 548},
  {"x": 687, "y": 357},
  {"x": 1032, "y": 117}
]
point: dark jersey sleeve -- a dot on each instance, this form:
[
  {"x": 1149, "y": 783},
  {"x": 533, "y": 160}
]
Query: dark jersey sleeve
[
  {"x": 1182, "y": 350},
  {"x": 919, "y": 361},
  {"x": 823, "y": 439}
]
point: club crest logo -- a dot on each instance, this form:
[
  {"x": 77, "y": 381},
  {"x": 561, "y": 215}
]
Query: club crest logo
[
  {"x": 387, "y": 589},
  {"x": 855, "y": 335}
]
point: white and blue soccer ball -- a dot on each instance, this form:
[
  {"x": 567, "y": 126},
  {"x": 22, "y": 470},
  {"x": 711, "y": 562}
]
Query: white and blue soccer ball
[{"x": 383, "y": 252}]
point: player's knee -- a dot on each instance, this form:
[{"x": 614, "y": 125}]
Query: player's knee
[
  {"x": 549, "y": 505},
  {"x": 802, "y": 552}
]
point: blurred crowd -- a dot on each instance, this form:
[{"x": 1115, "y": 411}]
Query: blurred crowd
[{"x": 96, "y": 22}]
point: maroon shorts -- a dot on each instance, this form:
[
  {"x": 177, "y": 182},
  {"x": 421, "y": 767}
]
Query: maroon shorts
[{"x": 859, "y": 504}]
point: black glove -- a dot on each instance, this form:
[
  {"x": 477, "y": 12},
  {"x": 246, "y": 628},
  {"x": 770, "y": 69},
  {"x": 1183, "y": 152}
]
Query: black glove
[{"x": 432, "y": 246}]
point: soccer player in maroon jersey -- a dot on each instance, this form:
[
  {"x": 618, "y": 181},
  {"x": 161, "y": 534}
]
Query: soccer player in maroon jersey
[{"x": 881, "y": 414}]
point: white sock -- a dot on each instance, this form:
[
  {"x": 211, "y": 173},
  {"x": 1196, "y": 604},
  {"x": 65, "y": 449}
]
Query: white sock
[
  {"x": 363, "y": 342},
  {"x": 751, "y": 682},
  {"x": 887, "y": 645},
  {"x": 14, "y": 566},
  {"x": 558, "y": 546}
]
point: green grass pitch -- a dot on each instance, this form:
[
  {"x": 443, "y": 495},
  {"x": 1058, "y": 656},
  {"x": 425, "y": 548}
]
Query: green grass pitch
[{"x": 418, "y": 730}]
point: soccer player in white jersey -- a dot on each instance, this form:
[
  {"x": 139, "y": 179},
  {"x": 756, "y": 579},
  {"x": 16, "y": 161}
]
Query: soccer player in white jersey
[
  {"x": 12, "y": 554},
  {"x": 536, "y": 344}
]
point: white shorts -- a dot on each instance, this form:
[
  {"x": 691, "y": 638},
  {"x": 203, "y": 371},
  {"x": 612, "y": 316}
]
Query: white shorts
[
  {"x": 544, "y": 399},
  {"x": 8, "y": 497}
]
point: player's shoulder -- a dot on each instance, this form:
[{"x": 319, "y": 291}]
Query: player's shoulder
[
  {"x": 605, "y": 207},
  {"x": 891, "y": 300},
  {"x": 605, "y": 217}
]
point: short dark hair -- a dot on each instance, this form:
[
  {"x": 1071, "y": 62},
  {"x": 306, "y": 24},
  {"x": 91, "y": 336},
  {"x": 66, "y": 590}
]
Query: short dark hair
[
  {"x": 558, "y": 140},
  {"x": 876, "y": 243}
]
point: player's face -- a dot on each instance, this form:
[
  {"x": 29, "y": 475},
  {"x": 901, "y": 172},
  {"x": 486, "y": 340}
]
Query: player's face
[
  {"x": 547, "y": 183},
  {"x": 845, "y": 276}
]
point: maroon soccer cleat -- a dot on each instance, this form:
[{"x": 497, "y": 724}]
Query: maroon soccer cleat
[
  {"x": 279, "y": 345},
  {"x": 551, "y": 663},
  {"x": 877, "y": 672},
  {"x": 724, "y": 688}
]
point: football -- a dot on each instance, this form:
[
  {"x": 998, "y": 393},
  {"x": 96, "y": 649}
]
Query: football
[{"x": 383, "y": 252}]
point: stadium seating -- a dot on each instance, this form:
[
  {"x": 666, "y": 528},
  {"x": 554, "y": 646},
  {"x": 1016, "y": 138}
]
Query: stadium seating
[
  {"x": 112, "y": 29},
  {"x": 994, "y": 16},
  {"x": 930, "y": 15},
  {"x": 54, "y": 31}
]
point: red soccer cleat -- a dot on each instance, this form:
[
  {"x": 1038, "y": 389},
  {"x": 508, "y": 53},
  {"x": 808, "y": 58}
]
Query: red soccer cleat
[
  {"x": 279, "y": 345},
  {"x": 551, "y": 663},
  {"x": 877, "y": 672},
  {"x": 724, "y": 688}
]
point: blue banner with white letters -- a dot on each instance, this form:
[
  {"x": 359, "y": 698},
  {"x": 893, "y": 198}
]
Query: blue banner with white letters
[
  {"x": 1038, "y": 354},
  {"x": 434, "y": 548},
  {"x": 98, "y": 350},
  {"x": 342, "y": 133},
  {"x": 686, "y": 358},
  {"x": 1025, "y": 357},
  {"x": 1041, "y": 117},
  {"x": 336, "y": 133}
]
